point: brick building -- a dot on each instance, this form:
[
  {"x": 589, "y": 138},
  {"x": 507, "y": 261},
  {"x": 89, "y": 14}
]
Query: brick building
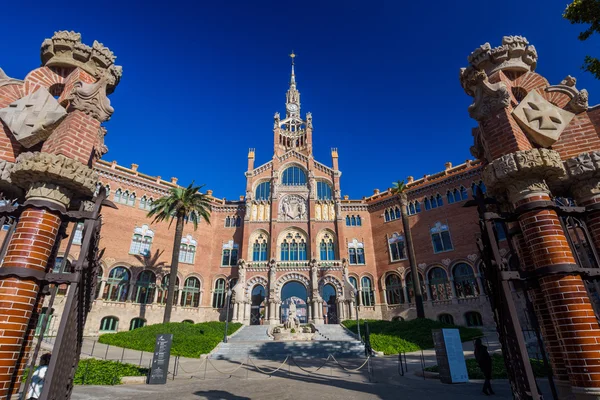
[{"x": 291, "y": 235}]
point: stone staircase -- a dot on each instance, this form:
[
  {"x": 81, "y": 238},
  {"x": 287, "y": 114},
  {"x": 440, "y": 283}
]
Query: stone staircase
[{"x": 253, "y": 342}]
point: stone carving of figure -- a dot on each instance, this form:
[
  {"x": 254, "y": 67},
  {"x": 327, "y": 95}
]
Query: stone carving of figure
[
  {"x": 254, "y": 209},
  {"x": 267, "y": 212},
  {"x": 292, "y": 321},
  {"x": 302, "y": 210},
  {"x": 332, "y": 212},
  {"x": 325, "y": 212},
  {"x": 285, "y": 207},
  {"x": 318, "y": 212},
  {"x": 261, "y": 212}
]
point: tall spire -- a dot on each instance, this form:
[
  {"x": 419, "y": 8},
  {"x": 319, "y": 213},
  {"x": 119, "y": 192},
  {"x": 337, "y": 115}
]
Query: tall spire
[{"x": 293, "y": 78}]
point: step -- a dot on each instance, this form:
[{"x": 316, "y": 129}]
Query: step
[{"x": 279, "y": 350}]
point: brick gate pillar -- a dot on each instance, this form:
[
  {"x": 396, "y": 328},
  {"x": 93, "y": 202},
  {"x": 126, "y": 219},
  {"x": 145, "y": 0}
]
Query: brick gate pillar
[{"x": 57, "y": 111}]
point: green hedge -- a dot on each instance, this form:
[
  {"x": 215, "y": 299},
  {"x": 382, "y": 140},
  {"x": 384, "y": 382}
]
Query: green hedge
[
  {"x": 102, "y": 372},
  {"x": 498, "y": 368},
  {"x": 393, "y": 337},
  {"x": 189, "y": 340}
]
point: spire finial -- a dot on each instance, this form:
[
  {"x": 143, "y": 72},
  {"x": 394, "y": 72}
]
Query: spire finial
[{"x": 293, "y": 78}]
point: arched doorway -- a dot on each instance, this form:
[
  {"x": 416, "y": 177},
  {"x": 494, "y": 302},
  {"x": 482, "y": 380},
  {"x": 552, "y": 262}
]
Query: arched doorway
[
  {"x": 294, "y": 292},
  {"x": 257, "y": 309},
  {"x": 330, "y": 312}
]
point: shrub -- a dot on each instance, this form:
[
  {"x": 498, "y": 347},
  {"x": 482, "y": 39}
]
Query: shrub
[
  {"x": 189, "y": 340},
  {"x": 393, "y": 337},
  {"x": 498, "y": 368},
  {"x": 103, "y": 372},
  {"x": 292, "y": 330}
]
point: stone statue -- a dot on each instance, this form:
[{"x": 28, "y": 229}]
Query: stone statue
[{"x": 292, "y": 321}]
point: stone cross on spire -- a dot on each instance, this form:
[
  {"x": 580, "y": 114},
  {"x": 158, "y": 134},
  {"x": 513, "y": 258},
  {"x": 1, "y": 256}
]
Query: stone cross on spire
[{"x": 293, "y": 78}]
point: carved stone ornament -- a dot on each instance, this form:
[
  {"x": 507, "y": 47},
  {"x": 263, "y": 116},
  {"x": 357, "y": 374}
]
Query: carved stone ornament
[
  {"x": 65, "y": 49},
  {"x": 7, "y": 80},
  {"x": 32, "y": 118},
  {"x": 579, "y": 98},
  {"x": 488, "y": 98},
  {"x": 53, "y": 177},
  {"x": 91, "y": 99},
  {"x": 541, "y": 120},
  {"x": 519, "y": 173},
  {"x": 293, "y": 207},
  {"x": 584, "y": 175},
  {"x": 100, "y": 147},
  {"x": 515, "y": 54}
]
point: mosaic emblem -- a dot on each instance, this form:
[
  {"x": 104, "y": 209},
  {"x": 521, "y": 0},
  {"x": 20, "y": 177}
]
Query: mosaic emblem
[
  {"x": 541, "y": 120},
  {"x": 32, "y": 118}
]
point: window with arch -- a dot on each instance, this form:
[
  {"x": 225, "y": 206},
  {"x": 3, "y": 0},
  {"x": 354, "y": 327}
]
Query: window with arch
[
  {"x": 145, "y": 287},
  {"x": 146, "y": 203},
  {"x": 293, "y": 176},
  {"x": 109, "y": 324},
  {"x": 439, "y": 285},
  {"x": 450, "y": 196},
  {"x": 367, "y": 293},
  {"x": 293, "y": 247},
  {"x": 131, "y": 199},
  {"x": 324, "y": 191},
  {"x": 473, "y": 318},
  {"x": 163, "y": 291},
  {"x": 354, "y": 284},
  {"x": 427, "y": 204},
  {"x": 263, "y": 191},
  {"x": 191, "y": 292},
  {"x": 229, "y": 256},
  {"x": 78, "y": 233},
  {"x": 478, "y": 187},
  {"x": 465, "y": 282},
  {"x": 353, "y": 220},
  {"x": 327, "y": 248},
  {"x": 137, "y": 323},
  {"x": 233, "y": 221},
  {"x": 392, "y": 214},
  {"x": 117, "y": 284},
  {"x": 446, "y": 319},
  {"x": 356, "y": 252},
  {"x": 409, "y": 287},
  {"x": 142, "y": 240},
  {"x": 440, "y": 237},
  {"x": 439, "y": 200},
  {"x": 219, "y": 293},
  {"x": 397, "y": 247},
  {"x": 457, "y": 196},
  {"x": 118, "y": 196},
  {"x": 463, "y": 193},
  {"x": 259, "y": 248},
  {"x": 187, "y": 250},
  {"x": 393, "y": 289}
]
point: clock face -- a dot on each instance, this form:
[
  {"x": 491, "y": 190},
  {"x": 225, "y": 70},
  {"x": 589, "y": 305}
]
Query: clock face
[{"x": 292, "y": 107}]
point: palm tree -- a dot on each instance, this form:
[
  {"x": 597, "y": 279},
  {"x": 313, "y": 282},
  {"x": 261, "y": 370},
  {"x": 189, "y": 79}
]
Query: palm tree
[
  {"x": 182, "y": 205},
  {"x": 399, "y": 189}
]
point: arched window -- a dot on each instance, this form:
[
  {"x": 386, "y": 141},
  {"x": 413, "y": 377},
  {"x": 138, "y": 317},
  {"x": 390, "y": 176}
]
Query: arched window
[
  {"x": 439, "y": 200},
  {"x": 293, "y": 176},
  {"x": 353, "y": 221},
  {"x": 117, "y": 284},
  {"x": 324, "y": 191},
  {"x": 259, "y": 248},
  {"x": 78, "y": 234},
  {"x": 397, "y": 247},
  {"x": 137, "y": 323},
  {"x": 131, "y": 200},
  {"x": 187, "y": 250},
  {"x": 219, "y": 294},
  {"x": 293, "y": 247},
  {"x": 109, "y": 324},
  {"x": 450, "y": 196},
  {"x": 368, "y": 296},
  {"x": 464, "y": 281},
  {"x": 387, "y": 215},
  {"x": 118, "y": 195},
  {"x": 473, "y": 318},
  {"x": 107, "y": 188},
  {"x": 144, "y": 287},
  {"x": 348, "y": 220},
  {"x": 411, "y": 209},
  {"x": 456, "y": 194},
  {"x": 439, "y": 285},
  {"x": 354, "y": 284},
  {"x": 409, "y": 287},
  {"x": 463, "y": 193},
  {"x": 327, "y": 248},
  {"x": 393, "y": 289},
  {"x": 143, "y": 202},
  {"x": 230, "y": 254},
  {"x": 440, "y": 237},
  {"x": 397, "y": 213},
  {"x": 163, "y": 292},
  {"x": 356, "y": 252},
  {"x": 446, "y": 319},
  {"x": 141, "y": 241},
  {"x": 417, "y": 206},
  {"x": 263, "y": 191},
  {"x": 191, "y": 292},
  {"x": 427, "y": 204}
]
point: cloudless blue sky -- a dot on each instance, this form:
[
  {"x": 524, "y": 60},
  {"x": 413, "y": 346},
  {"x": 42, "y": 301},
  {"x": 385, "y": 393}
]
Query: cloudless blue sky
[{"x": 202, "y": 80}]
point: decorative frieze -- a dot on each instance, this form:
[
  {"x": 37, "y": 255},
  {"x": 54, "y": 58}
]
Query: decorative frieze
[
  {"x": 91, "y": 99},
  {"x": 584, "y": 175},
  {"x": 579, "y": 98},
  {"x": 488, "y": 98},
  {"x": 515, "y": 54}
]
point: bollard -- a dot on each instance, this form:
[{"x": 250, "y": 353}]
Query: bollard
[
  {"x": 122, "y": 354},
  {"x": 141, "y": 356},
  {"x": 106, "y": 354},
  {"x": 93, "y": 346},
  {"x": 205, "y": 367}
]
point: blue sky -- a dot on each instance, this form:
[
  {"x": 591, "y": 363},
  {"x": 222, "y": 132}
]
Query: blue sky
[{"x": 202, "y": 80}]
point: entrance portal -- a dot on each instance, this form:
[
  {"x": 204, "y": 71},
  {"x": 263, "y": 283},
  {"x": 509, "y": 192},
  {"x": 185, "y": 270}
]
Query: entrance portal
[
  {"x": 257, "y": 309},
  {"x": 330, "y": 312},
  {"x": 294, "y": 292}
]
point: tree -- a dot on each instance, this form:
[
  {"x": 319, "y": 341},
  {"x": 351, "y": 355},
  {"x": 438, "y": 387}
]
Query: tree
[
  {"x": 181, "y": 205},
  {"x": 399, "y": 189},
  {"x": 586, "y": 12}
]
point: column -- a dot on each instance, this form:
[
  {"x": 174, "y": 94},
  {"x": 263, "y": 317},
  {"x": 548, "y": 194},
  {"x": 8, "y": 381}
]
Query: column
[
  {"x": 309, "y": 313},
  {"x": 428, "y": 291},
  {"x": 405, "y": 291},
  {"x": 102, "y": 286},
  {"x": 235, "y": 317},
  {"x": 453, "y": 288},
  {"x": 480, "y": 284},
  {"x": 155, "y": 299},
  {"x": 179, "y": 297},
  {"x": 247, "y": 313}
]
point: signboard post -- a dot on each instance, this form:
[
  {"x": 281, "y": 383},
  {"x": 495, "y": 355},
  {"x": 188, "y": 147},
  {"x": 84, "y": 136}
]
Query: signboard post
[
  {"x": 160, "y": 359},
  {"x": 450, "y": 357}
]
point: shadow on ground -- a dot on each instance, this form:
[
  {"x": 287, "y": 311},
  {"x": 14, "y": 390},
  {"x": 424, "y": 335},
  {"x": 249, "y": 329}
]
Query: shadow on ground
[{"x": 219, "y": 394}]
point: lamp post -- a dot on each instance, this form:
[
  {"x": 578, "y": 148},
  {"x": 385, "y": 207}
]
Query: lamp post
[
  {"x": 227, "y": 315},
  {"x": 356, "y": 306}
]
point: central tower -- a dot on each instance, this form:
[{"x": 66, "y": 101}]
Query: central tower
[{"x": 292, "y": 133}]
